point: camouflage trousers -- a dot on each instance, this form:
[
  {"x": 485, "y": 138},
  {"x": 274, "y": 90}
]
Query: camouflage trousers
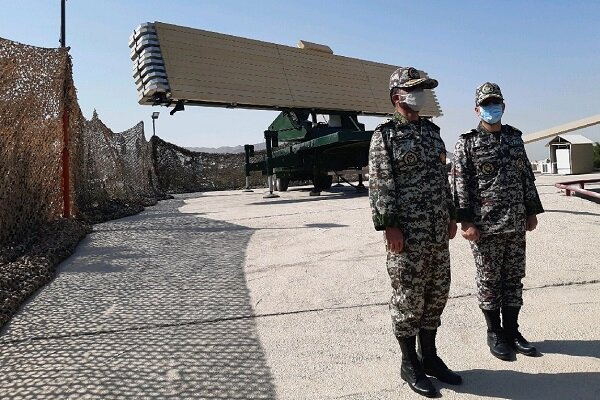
[
  {"x": 420, "y": 278},
  {"x": 500, "y": 262}
]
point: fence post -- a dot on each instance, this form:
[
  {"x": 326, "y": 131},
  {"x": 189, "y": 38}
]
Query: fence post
[{"x": 66, "y": 186}]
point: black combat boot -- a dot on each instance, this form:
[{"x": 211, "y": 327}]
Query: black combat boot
[
  {"x": 510, "y": 315},
  {"x": 496, "y": 340},
  {"x": 412, "y": 371},
  {"x": 432, "y": 363}
]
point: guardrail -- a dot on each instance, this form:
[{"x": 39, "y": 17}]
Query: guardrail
[{"x": 578, "y": 187}]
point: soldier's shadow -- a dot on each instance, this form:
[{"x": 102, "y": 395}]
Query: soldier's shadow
[
  {"x": 578, "y": 348},
  {"x": 547, "y": 385}
]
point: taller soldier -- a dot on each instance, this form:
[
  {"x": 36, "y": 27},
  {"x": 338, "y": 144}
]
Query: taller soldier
[
  {"x": 496, "y": 201},
  {"x": 411, "y": 201}
]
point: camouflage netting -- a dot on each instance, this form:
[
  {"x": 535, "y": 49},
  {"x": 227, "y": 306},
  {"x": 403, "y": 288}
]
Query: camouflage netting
[
  {"x": 110, "y": 176},
  {"x": 180, "y": 170},
  {"x": 32, "y": 84},
  {"x": 116, "y": 172}
]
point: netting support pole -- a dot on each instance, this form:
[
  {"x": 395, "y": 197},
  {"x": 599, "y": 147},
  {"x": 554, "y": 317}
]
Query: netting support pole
[
  {"x": 62, "y": 24},
  {"x": 65, "y": 165}
]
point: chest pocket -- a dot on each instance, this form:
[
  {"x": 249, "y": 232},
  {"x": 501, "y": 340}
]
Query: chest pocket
[
  {"x": 408, "y": 154},
  {"x": 487, "y": 160},
  {"x": 517, "y": 156}
]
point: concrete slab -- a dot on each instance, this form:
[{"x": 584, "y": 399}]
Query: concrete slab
[{"x": 227, "y": 295}]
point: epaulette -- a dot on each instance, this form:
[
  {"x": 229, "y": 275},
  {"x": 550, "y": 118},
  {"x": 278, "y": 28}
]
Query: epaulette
[
  {"x": 430, "y": 123},
  {"x": 514, "y": 131},
  {"x": 385, "y": 124},
  {"x": 472, "y": 132}
]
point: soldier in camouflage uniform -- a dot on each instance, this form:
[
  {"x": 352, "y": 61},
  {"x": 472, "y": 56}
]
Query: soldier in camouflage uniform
[
  {"x": 496, "y": 201},
  {"x": 411, "y": 201}
]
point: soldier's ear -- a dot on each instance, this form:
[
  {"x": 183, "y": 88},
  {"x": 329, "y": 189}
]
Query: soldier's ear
[{"x": 477, "y": 110}]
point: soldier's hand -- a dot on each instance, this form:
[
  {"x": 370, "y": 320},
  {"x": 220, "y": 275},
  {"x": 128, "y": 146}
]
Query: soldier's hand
[
  {"x": 532, "y": 222},
  {"x": 452, "y": 229},
  {"x": 394, "y": 239},
  {"x": 469, "y": 231}
]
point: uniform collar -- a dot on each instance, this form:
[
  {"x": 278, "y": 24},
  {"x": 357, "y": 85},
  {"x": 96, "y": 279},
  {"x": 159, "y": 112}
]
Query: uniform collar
[
  {"x": 401, "y": 120},
  {"x": 481, "y": 129}
]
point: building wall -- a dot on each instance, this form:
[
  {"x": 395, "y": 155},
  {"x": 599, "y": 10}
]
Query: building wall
[{"x": 582, "y": 158}]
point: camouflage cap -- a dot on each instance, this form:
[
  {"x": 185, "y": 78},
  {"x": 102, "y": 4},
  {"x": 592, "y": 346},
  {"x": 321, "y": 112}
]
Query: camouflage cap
[
  {"x": 408, "y": 77},
  {"x": 486, "y": 91}
]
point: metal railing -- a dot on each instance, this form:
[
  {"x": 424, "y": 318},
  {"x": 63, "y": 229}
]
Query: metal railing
[{"x": 578, "y": 187}]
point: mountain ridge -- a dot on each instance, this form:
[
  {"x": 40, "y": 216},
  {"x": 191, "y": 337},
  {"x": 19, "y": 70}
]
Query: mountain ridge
[{"x": 225, "y": 149}]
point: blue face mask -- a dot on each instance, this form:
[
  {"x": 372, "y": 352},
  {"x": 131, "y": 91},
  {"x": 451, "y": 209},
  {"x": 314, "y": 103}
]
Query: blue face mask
[{"x": 491, "y": 114}]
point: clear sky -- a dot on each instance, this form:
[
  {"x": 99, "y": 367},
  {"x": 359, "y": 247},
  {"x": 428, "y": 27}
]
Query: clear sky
[{"x": 545, "y": 55}]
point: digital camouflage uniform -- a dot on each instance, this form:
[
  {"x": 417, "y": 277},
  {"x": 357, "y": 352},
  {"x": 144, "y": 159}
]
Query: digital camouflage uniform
[
  {"x": 494, "y": 188},
  {"x": 409, "y": 189}
]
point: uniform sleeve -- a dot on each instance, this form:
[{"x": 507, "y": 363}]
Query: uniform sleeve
[
  {"x": 449, "y": 199},
  {"x": 533, "y": 204},
  {"x": 382, "y": 190},
  {"x": 463, "y": 177}
]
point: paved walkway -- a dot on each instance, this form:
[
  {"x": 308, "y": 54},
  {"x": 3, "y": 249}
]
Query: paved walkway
[{"x": 227, "y": 295}]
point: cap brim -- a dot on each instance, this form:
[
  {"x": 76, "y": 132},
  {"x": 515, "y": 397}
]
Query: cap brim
[
  {"x": 425, "y": 83},
  {"x": 497, "y": 96}
]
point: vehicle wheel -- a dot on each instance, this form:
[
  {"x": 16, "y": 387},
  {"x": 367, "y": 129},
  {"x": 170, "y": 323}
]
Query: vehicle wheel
[{"x": 282, "y": 184}]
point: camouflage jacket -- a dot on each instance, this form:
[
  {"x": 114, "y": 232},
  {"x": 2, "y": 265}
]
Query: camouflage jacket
[
  {"x": 492, "y": 181},
  {"x": 408, "y": 182}
]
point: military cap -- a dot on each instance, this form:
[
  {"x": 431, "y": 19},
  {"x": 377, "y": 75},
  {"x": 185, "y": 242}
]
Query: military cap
[
  {"x": 486, "y": 91},
  {"x": 408, "y": 77}
]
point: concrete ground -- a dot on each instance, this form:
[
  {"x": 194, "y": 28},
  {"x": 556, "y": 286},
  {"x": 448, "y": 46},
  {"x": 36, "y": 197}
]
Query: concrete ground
[{"x": 227, "y": 295}]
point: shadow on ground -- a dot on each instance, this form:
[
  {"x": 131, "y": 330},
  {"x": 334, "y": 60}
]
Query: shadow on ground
[
  {"x": 153, "y": 306},
  {"x": 578, "y": 348},
  {"x": 528, "y": 386},
  {"x": 525, "y": 386}
]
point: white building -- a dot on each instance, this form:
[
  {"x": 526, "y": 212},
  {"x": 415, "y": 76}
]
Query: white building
[{"x": 569, "y": 154}]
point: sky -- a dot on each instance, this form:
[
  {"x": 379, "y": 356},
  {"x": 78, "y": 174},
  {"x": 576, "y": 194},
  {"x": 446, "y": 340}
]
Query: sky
[{"x": 545, "y": 55}]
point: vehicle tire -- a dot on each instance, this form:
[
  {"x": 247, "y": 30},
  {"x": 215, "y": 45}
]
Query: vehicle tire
[{"x": 282, "y": 184}]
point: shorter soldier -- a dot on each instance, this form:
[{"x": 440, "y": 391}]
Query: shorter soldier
[
  {"x": 411, "y": 201},
  {"x": 497, "y": 201}
]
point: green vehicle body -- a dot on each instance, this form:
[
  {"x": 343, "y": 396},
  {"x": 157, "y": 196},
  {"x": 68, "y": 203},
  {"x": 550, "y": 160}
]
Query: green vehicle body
[{"x": 312, "y": 150}]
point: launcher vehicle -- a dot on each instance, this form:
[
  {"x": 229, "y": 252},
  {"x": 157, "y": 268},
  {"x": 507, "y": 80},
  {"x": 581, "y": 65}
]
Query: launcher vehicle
[{"x": 178, "y": 66}]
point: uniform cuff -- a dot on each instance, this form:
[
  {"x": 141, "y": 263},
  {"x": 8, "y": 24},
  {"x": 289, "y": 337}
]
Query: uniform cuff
[
  {"x": 452, "y": 212},
  {"x": 465, "y": 215},
  {"x": 533, "y": 208},
  {"x": 382, "y": 221}
]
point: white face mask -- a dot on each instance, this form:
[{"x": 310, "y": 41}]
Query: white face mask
[{"x": 415, "y": 99}]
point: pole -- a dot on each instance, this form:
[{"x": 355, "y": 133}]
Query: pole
[
  {"x": 153, "y": 127},
  {"x": 62, "y": 23},
  {"x": 66, "y": 184},
  {"x": 65, "y": 162},
  {"x": 249, "y": 151},
  {"x": 268, "y": 161}
]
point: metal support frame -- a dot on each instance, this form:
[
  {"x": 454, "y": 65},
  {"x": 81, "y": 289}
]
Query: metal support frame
[
  {"x": 249, "y": 152},
  {"x": 579, "y": 187},
  {"x": 360, "y": 186},
  {"x": 316, "y": 190},
  {"x": 270, "y": 137}
]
